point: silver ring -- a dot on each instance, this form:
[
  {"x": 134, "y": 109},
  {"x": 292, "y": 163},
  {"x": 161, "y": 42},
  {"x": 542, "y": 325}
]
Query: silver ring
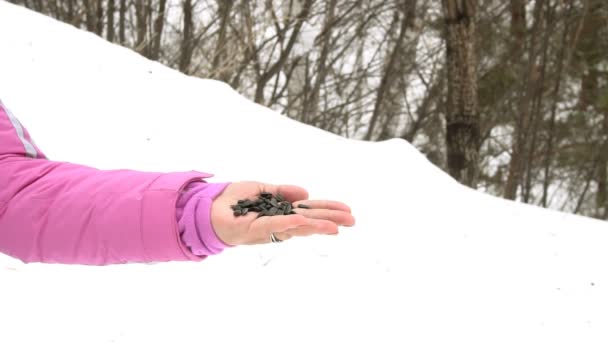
[{"x": 274, "y": 239}]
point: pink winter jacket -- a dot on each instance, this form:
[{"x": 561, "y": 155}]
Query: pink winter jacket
[{"x": 58, "y": 212}]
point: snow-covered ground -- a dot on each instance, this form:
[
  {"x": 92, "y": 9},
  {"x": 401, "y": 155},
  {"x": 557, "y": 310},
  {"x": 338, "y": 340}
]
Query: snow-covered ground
[{"x": 428, "y": 259}]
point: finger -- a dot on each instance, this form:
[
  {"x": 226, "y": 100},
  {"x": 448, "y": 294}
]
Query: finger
[
  {"x": 339, "y": 217},
  {"x": 281, "y": 236},
  {"x": 288, "y": 191},
  {"x": 314, "y": 227},
  {"x": 263, "y": 226},
  {"x": 292, "y": 193},
  {"x": 323, "y": 204}
]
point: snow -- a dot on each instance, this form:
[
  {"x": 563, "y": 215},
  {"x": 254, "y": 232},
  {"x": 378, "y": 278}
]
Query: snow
[{"x": 428, "y": 259}]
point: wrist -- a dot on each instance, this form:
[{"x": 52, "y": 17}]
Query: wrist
[{"x": 194, "y": 218}]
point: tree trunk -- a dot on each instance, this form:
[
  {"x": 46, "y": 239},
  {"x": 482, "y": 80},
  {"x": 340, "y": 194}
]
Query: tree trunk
[
  {"x": 70, "y": 15},
  {"x": 158, "y": 30},
  {"x": 590, "y": 171},
  {"x": 53, "y": 9},
  {"x": 518, "y": 42},
  {"x": 537, "y": 104},
  {"x": 518, "y": 26},
  {"x": 142, "y": 27},
  {"x": 602, "y": 176},
  {"x": 248, "y": 43},
  {"x": 38, "y": 5},
  {"x": 99, "y": 19},
  {"x": 592, "y": 98},
  {"x": 121, "y": 21},
  {"x": 186, "y": 44},
  {"x": 360, "y": 76},
  {"x": 522, "y": 124},
  {"x": 110, "y": 30},
  {"x": 297, "y": 87},
  {"x": 220, "y": 64},
  {"x": 90, "y": 14},
  {"x": 561, "y": 61},
  {"x": 462, "y": 119}
]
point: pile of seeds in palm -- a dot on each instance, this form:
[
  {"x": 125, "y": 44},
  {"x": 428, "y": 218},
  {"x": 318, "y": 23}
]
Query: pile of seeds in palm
[{"x": 266, "y": 205}]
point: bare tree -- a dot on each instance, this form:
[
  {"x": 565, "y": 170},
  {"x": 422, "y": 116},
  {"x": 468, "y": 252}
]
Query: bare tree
[
  {"x": 273, "y": 69},
  {"x": 311, "y": 106},
  {"x": 462, "y": 129},
  {"x": 99, "y": 17},
  {"x": 391, "y": 68},
  {"x": 158, "y": 30},
  {"x": 121, "y": 21},
  {"x": 91, "y": 20},
  {"x": 110, "y": 25},
  {"x": 590, "y": 98},
  {"x": 141, "y": 12},
  {"x": 562, "y": 59},
  {"x": 220, "y": 65},
  {"x": 187, "y": 35},
  {"x": 297, "y": 69},
  {"x": 522, "y": 126}
]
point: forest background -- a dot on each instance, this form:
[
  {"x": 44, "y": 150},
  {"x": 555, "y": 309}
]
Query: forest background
[{"x": 508, "y": 97}]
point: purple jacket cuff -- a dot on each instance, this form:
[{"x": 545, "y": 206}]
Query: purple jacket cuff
[{"x": 194, "y": 218}]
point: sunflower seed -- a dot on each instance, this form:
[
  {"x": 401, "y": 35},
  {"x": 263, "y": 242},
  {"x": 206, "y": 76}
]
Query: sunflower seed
[
  {"x": 265, "y": 205},
  {"x": 245, "y": 203}
]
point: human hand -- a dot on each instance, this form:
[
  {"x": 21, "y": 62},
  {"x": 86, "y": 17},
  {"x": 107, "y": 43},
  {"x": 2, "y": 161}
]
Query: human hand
[{"x": 323, "y": 217}]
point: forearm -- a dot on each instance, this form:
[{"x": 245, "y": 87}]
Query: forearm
[{"x": 65, "y": 213}]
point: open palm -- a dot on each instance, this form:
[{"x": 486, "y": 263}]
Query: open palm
[{"x": 323, "y": 217}]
